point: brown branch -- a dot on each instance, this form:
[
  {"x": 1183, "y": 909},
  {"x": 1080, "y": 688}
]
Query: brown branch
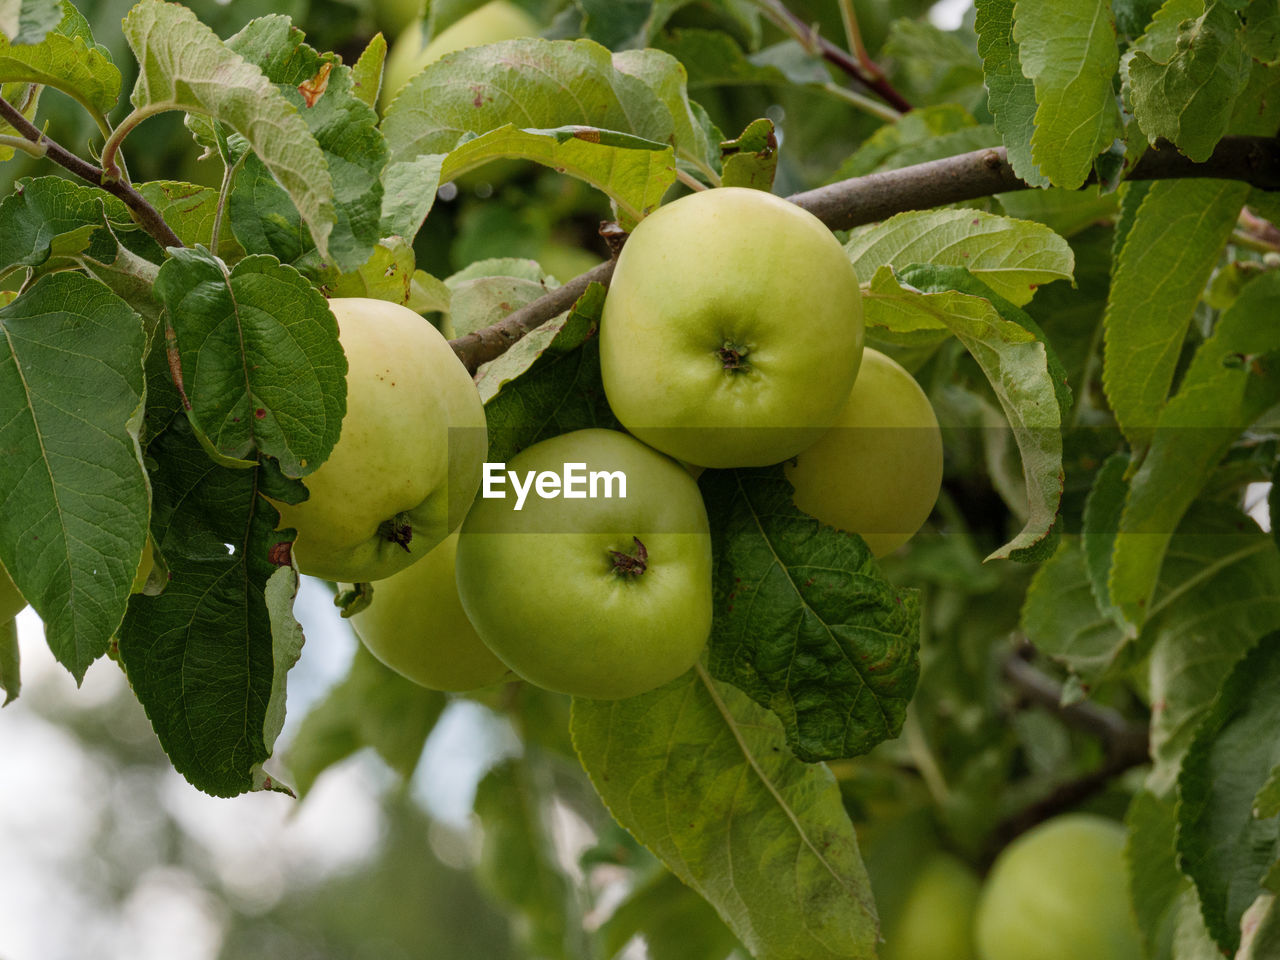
[
  {"x": 869, "y": 74},
  {"x": 1126, "y": 744},
  {"x": 851, "y": 203},
  {"x": 147, "y": 216}
]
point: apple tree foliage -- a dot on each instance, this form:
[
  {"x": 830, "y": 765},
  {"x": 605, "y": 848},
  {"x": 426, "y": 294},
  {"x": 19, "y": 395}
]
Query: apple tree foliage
[{"x": 1098, "y": 328}]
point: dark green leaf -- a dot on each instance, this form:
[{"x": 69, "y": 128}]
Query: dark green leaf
[
  {"x": 202, "y": 656},
  {"x": 1223, "y": 848},
  {"x": 73, "y": 514},
  {"x": 751, "y": 159},
  {"x": 262, "y": 367},
  {"x": 804, "y": 621}
]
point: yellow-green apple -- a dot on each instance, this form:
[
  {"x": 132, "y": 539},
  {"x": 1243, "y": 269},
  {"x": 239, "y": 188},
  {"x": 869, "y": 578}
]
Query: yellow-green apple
[
  {"x": 591, "y": 574},
  {"x": 732, "y": 331},
  {"x": 409, "y": 56},
  {"x": 416, "y": 626},
  {"x": 1060, "y": 892},
  {"x": 877, "y": 472},
  {"x": 407, "y": 463},
  {"x": 935, "y": 922}
]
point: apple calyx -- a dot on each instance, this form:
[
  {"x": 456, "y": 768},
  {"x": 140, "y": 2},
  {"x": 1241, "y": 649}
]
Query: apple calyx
[
  {"x": 733, "y": 357},
  {"x": 630, "y": 565},
  {"x": 398, "y": 530}
]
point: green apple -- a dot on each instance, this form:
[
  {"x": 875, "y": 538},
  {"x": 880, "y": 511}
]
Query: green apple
[
  {"x": 496, "y": 21},
  {"x": 1060, "y": 892},
  {"x": 408, "y": 461},
  {"x": 878, "y": 471},
  {"x": 732, "y": 330},
  {"x": 597, "y": 596},
  {"x": 11, "y": 602},
  {"x": 936, "y": 920},
  {"x": 416, "y": 626}
]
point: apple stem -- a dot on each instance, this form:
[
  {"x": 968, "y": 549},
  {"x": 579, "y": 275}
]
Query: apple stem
[
  {"x": 399, "y": 529},
  {"x": 630, "y": 564}
]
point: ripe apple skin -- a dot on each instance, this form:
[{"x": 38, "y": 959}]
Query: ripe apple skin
[
  {"x": 732, "y": 330},
  {"x": 878, "y": 471},
  {"x": 416, "y": 626},
  {"x": 543, "y": 590},
  {"x": 11, "y": 602},
  {"x": 936, "y": 920},
  {"x": 494, "y": 22},
  {"x": 1060, "y": 892},
  {"x": 412, "y": 444}
]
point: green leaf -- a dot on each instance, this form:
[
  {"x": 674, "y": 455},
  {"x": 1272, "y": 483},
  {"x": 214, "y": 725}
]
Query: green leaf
[
  {"x": 1012, "y": 257},
  {"x": 202, "y": 656},
  {"x": 66, "y": 61},
  {"x": 184, "y": 66},
  {"x": 264, "y": 219},
  {"x": 373, "y": 706},
  {"x": 805, "y": 624},
  {"x": 751, "y": 160},
  {"x": 29, "y": 21},
  {"x": 1065, "y": 212},
  {"x": 1167, "y": 257},
  {"x": 674, "y": 922},
  {"x": 620, "y": 24},
  {"x": 10, "y": 662},
  {"x": 1025, "y": 376},
  {"x": 1223, "y": 849},
  {"x": 1266, "y": 803},
  {"x": 1262, "y": 30},
  {"x": 631, "y": 171},
  {"x": 366, "y": 75},
  {"x": 1062, "y": 618},
  {"x": 932, "y": 65},
  {"x": 49, "y": 217},
  {"x": 1219, "y": 591},
  {"x": 927, "y": 133},
  {"x": 190, "y": 210},
  {"x": 714, "y": 59},
  {"x": 525, "y": 86},
  {"x": 702, "y": 776},
  {"x": 518, "y": 858},
  {"x": 696, "y": 147},
  {"x": 343, "y": 125},
  {"x": 1011, "y": 95},
  {"x": 1102, "y": 512},
  {"x": 1155, "y": 883},
  {"x": 73, "y": 515},
  {"x": 1186, "y": 96},
  {"x": 556, "y": 391},
  {"x": 1068, "y": 49},
  {"x": 1233, "y": 378},
  {"x": 258, "y": 347},
  {"x": 488, "y": 290},
  {"x": 386, "y": 275}
]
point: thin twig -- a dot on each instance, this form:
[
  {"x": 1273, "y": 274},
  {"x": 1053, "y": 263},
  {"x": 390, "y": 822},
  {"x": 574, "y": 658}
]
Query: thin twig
[
  {"x": 851, "y": 203},
  {"x": 23, "y": 144},
  {"x": 147, "y": 216},
  {"x": 1126, "y": 746},
  {"x": 853, "y": 33},
  {"x": 864, "y": 103},
  {"x": 875, "y": 81},
  {"x": 689, "y": 180}
]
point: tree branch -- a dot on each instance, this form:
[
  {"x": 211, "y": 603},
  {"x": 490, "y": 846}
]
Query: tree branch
[
  {"x": 870, "y": 76},
  {"x": 147, "y": 216},
  {"x": 1127, "y": 746},
  {"x": 851, "y": 203}
]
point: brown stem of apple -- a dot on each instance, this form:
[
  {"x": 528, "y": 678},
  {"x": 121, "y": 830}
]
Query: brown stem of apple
[{"x": 850, "y": 203}]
